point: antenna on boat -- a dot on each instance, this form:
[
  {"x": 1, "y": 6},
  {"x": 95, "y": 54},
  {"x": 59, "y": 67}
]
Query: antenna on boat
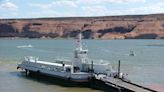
[{"x": 79, "y": 41}]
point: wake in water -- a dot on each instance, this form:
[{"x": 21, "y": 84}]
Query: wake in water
[
  {"x": 25, "y": 46},
  {"x": 154, "y": 45},
  {"x": 30, "y": 47}
]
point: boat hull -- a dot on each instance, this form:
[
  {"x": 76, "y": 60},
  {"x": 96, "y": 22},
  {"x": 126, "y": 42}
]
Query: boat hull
[{"x": 74, "y": 77}]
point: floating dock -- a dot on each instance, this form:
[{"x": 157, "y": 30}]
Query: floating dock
[{"x": 124, "y": 86}]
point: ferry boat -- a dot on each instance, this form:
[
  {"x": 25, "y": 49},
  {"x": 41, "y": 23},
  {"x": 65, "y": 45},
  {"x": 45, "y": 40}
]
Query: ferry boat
[{"x": 81, "y": 69}]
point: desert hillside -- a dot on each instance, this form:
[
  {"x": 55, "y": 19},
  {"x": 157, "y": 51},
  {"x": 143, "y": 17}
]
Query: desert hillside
[{"x": 106, "y": 27}]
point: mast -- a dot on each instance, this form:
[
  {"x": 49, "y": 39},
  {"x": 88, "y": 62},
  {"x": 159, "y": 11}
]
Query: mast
[
  {"x": 79, "y": 41},
  {"x": 80, "y": 54}
]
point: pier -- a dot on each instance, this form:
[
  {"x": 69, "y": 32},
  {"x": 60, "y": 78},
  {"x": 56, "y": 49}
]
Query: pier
[
  {"x": 124, "y": 86},
  {"x": 121, "y": 84}
]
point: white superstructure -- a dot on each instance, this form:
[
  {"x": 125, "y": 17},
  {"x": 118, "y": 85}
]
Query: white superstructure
[{"x": 80, "y": 70}]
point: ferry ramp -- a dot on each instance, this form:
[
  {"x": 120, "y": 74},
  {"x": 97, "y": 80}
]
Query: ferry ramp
[{"x": 124, "y": 86}]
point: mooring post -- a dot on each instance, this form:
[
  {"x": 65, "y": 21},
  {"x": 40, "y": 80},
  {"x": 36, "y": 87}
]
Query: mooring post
[
  {"x": 92, "y": 68},
  {"x": 118, "y": 68}
]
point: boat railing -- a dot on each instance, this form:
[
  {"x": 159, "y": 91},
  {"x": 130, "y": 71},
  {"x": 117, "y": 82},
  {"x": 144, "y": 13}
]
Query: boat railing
[
  {"x": 30, "y": 59},
  {"x": 62, "y": 61},
  {"x": 101, "y": 61}
]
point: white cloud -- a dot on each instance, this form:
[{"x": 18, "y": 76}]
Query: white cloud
[
  {"x": 147, "y": 9},
  {"x": 43, "y": 6},
  {"x": 103, "y": 10},
  {"x": 98, "y": 2},
  {"x": 8, "y": 5},
  {"x": 76, "y": 3},
  {"x": 62, "y": 3},
  {"x": 67, "y": 3},
  {"x": 51, "y": 13},
  {"x": 94, "y": 10},
  {"x": 84, "y": 7},
  {"x": 126, "y": 1}
]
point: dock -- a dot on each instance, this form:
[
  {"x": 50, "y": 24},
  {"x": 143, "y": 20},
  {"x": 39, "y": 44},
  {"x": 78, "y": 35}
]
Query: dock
[{"x": 124, "y": 86}]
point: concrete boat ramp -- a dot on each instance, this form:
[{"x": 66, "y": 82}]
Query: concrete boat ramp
[{"x": 122, "y": 85}]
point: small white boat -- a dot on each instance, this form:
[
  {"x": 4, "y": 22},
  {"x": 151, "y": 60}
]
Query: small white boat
[
  {"x": 81, "y": 68},
  {"x": 25, "y": 46}
]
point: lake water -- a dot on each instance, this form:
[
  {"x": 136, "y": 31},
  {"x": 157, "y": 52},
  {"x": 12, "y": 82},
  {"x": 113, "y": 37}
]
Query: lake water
[{"x": 145, "y": 68}]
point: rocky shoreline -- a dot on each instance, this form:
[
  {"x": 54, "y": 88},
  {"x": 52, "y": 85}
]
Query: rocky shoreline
[{"x": 106, "y": 27}]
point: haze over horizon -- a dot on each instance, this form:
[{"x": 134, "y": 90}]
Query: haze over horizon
[{"x": 77, "y": 8}]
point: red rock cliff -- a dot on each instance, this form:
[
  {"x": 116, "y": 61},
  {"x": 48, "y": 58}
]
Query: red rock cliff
[{"x": 108, "y": 27}]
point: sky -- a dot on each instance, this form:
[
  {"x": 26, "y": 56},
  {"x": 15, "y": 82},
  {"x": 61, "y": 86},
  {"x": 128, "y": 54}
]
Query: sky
[{"x": 77, "y": 8}]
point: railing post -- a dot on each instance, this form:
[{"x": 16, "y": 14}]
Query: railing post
[{"x": 118, "y": 68}]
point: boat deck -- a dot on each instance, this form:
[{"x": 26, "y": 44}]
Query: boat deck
[
  {"x": 47, "y": 63},
  {"x": 50, "y": 63}
]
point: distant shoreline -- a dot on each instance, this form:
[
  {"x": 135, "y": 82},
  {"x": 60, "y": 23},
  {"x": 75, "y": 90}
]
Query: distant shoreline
[
  {"x": 106, "y": 27},
  {"x": 13, "y": 38}
]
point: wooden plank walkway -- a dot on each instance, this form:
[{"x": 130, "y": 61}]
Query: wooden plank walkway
[{"x": 125, "y": 85}]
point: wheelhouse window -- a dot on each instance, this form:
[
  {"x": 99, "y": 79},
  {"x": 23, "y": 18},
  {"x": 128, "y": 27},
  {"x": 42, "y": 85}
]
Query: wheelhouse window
[{"x": 76, "y": 69}]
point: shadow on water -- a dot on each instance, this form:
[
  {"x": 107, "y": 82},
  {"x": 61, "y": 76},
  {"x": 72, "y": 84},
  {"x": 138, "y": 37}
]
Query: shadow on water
[{"x": 48, "y": 80}]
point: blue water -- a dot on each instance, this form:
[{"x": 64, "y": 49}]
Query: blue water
[{"x": 146, "y": 67}]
